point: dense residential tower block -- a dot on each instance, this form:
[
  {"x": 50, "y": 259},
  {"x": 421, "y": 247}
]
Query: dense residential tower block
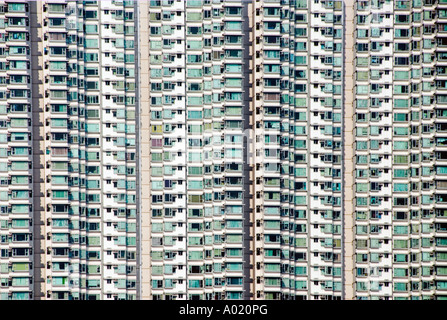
[
  {"x": 69, "y": 127},
  {"x": 297, "y": 105},
  {"x": 399, "y": 141},
  {"x": 199, "y": 96},
  {"x": 209, "y": 149}
]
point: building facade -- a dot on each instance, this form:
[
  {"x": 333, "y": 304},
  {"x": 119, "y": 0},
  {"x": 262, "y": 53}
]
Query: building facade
[
  {"x": 17, "y": 148},
  {"x": 199, "y": 57},
  {"x": 399, "y": 163},
  {"x": 297, "y": 100},
  {"x": 208, "y": 149},
  {"x": 69, "y": 111}
]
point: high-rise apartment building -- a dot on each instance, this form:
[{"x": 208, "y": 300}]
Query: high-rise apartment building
[
  {"x": 209, "y": 149},
  {"x": 297, "y": 122},
  {"x": 245, "y": 121},
  {"x": 399, "y": 165},
  {"x": 199, "y": 97},
  {"x": 344, "y": 162},
  {"x": 68, "y": 113},
  {"x": 17, "y": 154}
]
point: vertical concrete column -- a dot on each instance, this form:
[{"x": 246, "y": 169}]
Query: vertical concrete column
[
  {"x": 145, "y": 178},
  {"x": 250, "y": 160},
  {"x": 38, "y": 121},
  {"x": 247, "y": 166},
  {"x": 257, "y": 161},
  {"x": 348, "y": 152}
]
